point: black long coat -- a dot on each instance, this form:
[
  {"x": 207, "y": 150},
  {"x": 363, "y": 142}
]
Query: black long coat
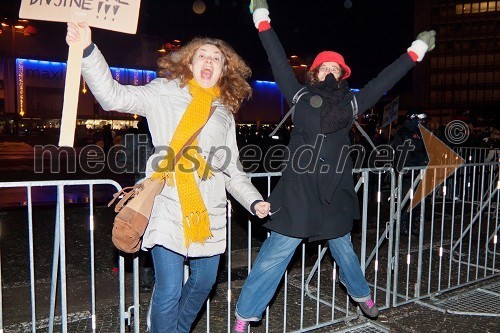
[{"x": 315, "y": 197}]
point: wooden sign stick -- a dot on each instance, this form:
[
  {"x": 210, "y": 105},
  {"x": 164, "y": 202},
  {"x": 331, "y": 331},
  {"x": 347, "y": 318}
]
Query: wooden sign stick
[{"x": 71, "y": 92}]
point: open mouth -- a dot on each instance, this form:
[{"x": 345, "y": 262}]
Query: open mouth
[{"x": 206, "y": 73}]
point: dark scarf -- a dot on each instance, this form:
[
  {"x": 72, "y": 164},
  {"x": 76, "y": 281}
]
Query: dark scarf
[{"x": 327, "y": 96}]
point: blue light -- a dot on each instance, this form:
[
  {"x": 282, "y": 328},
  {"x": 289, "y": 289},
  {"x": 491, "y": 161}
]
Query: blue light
[
  {"x": 41, "y": 67},
  {"x": 44, "y": 65},
  {"x": 265, "y": 82},
  {"x": 132, "y": 70},
  {"x": 354, "y": 89}
]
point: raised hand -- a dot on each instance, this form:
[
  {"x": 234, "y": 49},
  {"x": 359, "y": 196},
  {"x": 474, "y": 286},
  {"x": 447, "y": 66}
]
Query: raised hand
[
  {"x": 256, "y": 4},
  {"x": 73, "y": 34},
  {"x": 425, "y": 42},
  {"x": 260, "y": 13},
  {"x": 429, "y": 38}
]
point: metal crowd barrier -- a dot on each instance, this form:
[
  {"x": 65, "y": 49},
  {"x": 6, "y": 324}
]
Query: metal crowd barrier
[
  {"x": 474, "y": 154},
  {"x": 59, "y": 263},
  {"x": 455, "y": 245},
  {"x": 455, "y": 241}
]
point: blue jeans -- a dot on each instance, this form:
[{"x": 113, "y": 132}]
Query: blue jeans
[
  {"x": 175, "y": 307},
  {"x": 272, "y": 261}
]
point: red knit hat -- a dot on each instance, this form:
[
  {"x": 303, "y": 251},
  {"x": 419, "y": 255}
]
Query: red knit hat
[{"x": 330, "y": 56}]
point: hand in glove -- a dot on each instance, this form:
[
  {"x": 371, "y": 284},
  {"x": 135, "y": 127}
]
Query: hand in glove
[
  {"x": 260, "y": 12},
  {"x": 429, "y": 38},
  {"x": 425, "y": 42},
  {"x": 256, "y": 4}
]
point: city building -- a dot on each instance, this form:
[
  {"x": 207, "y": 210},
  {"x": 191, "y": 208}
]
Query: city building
[{"x": 463, "y": 74}]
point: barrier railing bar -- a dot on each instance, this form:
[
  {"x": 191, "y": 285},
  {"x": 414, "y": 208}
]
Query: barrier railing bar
[
  {"x": 32, "y": 260},
  {"x": 318, "y": 284},
  {"x": 285, "y": 300},
  {"x": 480, "y": 224},
  {"x": 460, "y": 241},
  {"x": 420, "y": 235},
  {"x": 390, "y": 225},
  {"x": 433, "y": 207},
  {"x": 92, "y": 257},
  {"x": 452, "y": 236},
  {"x": 62, "y": 266},
  {"x": 229, "y": 267},
  {"x": 334, "y": 280},
  {"x": 497, "y": 225},
  {"x": 396, "y": 253},
  {"x": 121, "y": 274},
  {"x": 379, "y": 194},
  {"x": 55, "y": 268},
  {"x": 488, "y": 219},
  {"x": 364, "y": 219}
]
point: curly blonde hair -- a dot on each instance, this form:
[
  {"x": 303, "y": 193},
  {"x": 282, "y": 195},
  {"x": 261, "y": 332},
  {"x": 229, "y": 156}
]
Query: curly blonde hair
[{"x": 234, "y": 88}]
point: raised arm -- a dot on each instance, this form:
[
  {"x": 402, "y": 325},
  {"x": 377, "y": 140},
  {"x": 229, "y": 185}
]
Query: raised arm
[
  {"x": 282, "y": 71},
  {"x": 385, "y": 80},
  {"x": 110, "y": 94}
]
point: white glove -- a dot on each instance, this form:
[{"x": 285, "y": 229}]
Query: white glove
[
  {"x": 425, "y": 42},
  {"x": 260, "y": 15}
]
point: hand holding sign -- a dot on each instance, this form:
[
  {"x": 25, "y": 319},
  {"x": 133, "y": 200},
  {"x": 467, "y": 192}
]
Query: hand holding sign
[
  {"x": 117, "y": 15},
  {"x": 74, "y": 34}
]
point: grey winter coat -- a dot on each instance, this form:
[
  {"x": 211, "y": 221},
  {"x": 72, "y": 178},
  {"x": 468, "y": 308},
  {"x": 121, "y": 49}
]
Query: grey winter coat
[{"x": 163, "y": 102}]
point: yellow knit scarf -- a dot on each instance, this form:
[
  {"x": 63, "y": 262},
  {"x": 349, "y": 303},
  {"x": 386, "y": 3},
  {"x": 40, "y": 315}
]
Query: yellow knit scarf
[{"x": 183, "y": 146}]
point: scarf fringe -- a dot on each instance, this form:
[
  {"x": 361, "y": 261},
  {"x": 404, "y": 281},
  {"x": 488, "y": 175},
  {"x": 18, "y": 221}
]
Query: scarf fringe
[{"x": 196, "y": 227}]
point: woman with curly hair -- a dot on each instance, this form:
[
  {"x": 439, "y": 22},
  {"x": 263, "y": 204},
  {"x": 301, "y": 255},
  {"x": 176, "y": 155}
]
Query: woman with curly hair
[{"x": 190, "y": 110}]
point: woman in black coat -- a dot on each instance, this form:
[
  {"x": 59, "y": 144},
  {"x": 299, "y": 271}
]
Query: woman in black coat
[{"x": 315, "y": 197}]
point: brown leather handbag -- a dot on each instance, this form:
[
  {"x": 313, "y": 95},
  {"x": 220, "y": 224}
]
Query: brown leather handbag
[{"x": 134, "y": 210}]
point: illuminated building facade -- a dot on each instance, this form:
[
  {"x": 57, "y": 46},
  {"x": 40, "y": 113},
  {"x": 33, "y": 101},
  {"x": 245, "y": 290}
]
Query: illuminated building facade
[{"x": 463, "y": 72}]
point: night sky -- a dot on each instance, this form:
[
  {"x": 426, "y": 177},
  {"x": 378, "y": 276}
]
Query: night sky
[{"x": 370, "y": 35}]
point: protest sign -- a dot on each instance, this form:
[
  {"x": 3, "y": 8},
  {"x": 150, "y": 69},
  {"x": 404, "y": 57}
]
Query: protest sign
[
  {"x": 116, "y": 15},
  {"x": 390, "y": 112}
]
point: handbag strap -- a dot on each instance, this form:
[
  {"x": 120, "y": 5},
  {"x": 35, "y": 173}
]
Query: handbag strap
[
  {"x": 195, "y": 135},
  {"x": 119, "y": 193},
  {"x": 127, "y": 193}
]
